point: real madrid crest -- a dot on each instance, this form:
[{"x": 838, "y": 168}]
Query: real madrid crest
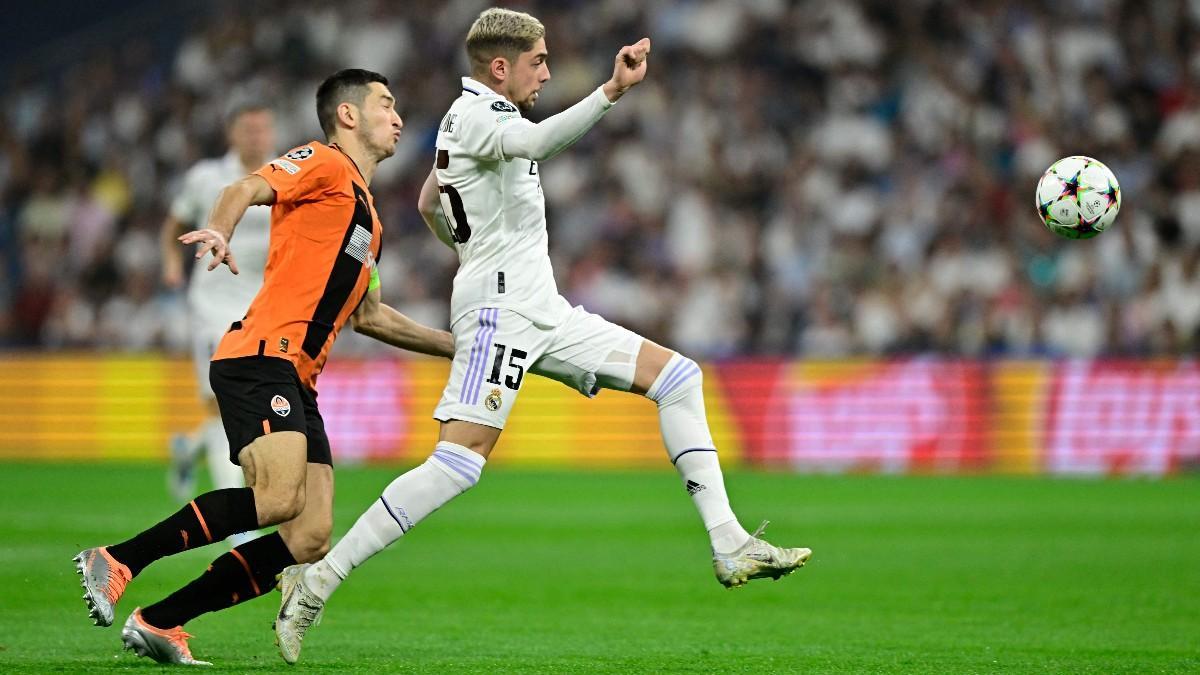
[{"x": 493, "y": 401}]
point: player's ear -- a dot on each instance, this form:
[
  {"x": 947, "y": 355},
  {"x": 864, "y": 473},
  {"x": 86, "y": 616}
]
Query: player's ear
[
  {"x": 347, "y": 114},
  {"x": 499, "y": 68}
]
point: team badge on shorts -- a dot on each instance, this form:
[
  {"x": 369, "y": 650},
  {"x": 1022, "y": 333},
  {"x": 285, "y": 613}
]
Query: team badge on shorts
[
  {"x": 492, "y": 402},
  {"x": 281, "y": 406}
]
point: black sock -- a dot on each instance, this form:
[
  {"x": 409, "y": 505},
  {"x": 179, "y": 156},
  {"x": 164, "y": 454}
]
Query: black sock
[
  {"x": 246, "y": 572},
  {"x": 210, "y": 517}
]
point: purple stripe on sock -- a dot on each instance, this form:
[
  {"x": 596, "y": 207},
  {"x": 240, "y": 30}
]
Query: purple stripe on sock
[
  {"x": 683, "y": 377},
  {"x": 473, "y": 396},
  {"x": 671, "y": 376},
  {"x": 459, "y": 460},
  {"x": 674, "y": 372},
  {"x": 469, "y": 475},
  {"x": 476, "y": 357},
  {"x": 441, "y": 456}
]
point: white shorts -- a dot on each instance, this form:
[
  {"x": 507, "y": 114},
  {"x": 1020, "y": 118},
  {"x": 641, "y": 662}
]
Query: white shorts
[
  {"x": 495, "y": 348},
  {"x": 206, "y": 335}
]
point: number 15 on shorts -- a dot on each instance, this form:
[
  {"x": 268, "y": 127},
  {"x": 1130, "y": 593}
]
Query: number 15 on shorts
[{"x": 512, "y": 379}]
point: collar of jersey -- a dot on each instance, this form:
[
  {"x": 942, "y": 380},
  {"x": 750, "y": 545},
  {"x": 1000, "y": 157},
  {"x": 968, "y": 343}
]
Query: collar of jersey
[
  {"x": 473, "y": 86},
  {"x": 350, "y": 159}
]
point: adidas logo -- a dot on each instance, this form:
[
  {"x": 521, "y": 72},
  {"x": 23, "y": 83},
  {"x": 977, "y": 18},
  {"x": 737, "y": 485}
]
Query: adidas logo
[{"x": 693, "y": 487}]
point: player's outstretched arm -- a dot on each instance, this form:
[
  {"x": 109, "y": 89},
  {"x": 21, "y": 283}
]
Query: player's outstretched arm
[
  {"x": 377, "y": 320},
  {"x": 430, "y": 206},
  {"x": 226, "y": 213},
  {"x": 539, "y": 142}
]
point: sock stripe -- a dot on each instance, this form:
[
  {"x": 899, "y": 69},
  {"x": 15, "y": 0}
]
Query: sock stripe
[
  {"x": 682, "y": 377},
  {"x": 664, "y": 380},
  {"x": 475, "y": 462},
  {"x": 250, "y": 574},
  {"x": 692, "y": 450},
  {"x": 666, "y": 383},
  {"x": 203, "y": 525},
  {"x": 451, "y": 459},
  {"x": 388, "y": 507},
  {"x": 458, "y": 466}
]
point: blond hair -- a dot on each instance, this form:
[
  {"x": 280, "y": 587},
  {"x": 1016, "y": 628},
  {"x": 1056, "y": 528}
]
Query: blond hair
[{"x": 501, "y": 32}]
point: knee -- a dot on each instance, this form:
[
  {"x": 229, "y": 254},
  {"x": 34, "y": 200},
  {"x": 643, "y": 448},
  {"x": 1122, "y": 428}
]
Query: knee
[
  {"x": 459, "y": 463},
  {"x": 678, "y": 379},
  {"x": 278, "y": 505},
  {"x": 310, "y": 545}
]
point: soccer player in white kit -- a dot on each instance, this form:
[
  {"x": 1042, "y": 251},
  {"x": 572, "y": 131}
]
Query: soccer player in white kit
[
  {"x": 484, "y": 198},
  {"x": 216, "y": 299}
]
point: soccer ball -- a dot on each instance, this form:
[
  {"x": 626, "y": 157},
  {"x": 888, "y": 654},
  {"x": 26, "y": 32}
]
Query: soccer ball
[{"x": 1078, "y": 197}]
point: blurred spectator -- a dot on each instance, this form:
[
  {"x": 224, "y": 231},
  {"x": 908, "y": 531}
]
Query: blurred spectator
[{"x": 811, "y": 178}]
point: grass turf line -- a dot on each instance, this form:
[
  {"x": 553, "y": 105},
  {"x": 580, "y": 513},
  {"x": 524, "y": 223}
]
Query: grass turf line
[{"x": 610, "y": 572}]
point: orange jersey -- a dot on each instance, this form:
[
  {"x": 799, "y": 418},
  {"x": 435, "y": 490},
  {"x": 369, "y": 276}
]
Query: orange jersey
[{"x": 325, "y": 239}]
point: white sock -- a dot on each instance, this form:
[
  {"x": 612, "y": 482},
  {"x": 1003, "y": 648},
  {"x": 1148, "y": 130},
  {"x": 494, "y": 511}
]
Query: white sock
[
  {"x": 450, "y": 471},
  {"x": 701, "y": 474},
  {"x": 679, "y": 392}
]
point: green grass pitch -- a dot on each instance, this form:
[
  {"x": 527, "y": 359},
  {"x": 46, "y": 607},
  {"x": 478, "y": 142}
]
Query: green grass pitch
[{"x": 610, "y": 572}]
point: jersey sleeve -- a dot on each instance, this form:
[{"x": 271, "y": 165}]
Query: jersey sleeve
[
  {"x": 482, "y": 125},
  {"x": 303, "y": 174},
  {"x": 186, "y": 207},
  {"x": 542, "y": 141}
]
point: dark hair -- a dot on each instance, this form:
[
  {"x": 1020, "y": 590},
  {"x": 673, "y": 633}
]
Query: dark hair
[{"x": 344, "y": 86}]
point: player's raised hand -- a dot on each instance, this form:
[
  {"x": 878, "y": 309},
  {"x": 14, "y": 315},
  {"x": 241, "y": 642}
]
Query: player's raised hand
[
  {"x": 214, "y": 242},
  {"x": 629, "y": 69}
]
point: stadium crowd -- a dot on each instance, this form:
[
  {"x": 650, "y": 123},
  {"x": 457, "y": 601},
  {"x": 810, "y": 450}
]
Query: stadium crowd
[{"x": 809, "y": 178}]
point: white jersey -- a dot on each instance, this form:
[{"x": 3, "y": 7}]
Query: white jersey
[
  {"x": 218, "y": 298},
  {"x": 496, "y": 212}
]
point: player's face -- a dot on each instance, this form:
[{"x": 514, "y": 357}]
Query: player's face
[
  {"x": 529, "y": 73},
  {"x": 381, "y": 124},
  {"x": 252, "y": 135}
]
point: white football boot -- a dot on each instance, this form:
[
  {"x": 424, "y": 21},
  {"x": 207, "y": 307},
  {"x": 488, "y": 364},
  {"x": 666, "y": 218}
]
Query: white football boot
[
  {"x": 757, "y": 559},
  {"x": 299, "y": 610}
]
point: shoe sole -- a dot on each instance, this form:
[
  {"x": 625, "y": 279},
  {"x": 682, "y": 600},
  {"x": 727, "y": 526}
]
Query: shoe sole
[
  {"x": 134, "y": 641},
  {"x": 94, "y": 611},
  {"x": 741, "y": 580}
]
